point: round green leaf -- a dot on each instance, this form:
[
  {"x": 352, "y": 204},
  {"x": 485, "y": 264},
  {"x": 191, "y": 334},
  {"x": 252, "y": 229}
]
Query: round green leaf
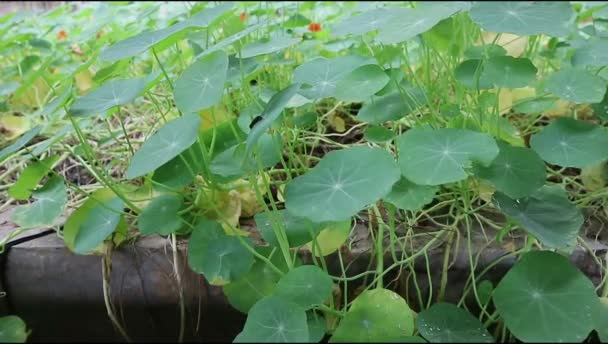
[
  {"x": 361, "y": 83},
  {"x": 576, "y": 85},
  {"x": 267, "y": 46},
  {"x": 378, "y": 315},
  {"x": 342, "y": 184},
  {"x": 378, "y": 134},
  {"x": 110, "y": 94},
  {"x": 446, "y": 323},
  {"x": 544, "y": 298},
  {"x": 469, "y": 71},
  {"x": 306, "y": 285},
  {"x": 78, "y": 216},
  {"x": 571, "y": 143},
  {"x": 516, "y": 171},
  {"x": 274, "y": 320},
  {"x": 434, "y": 157},
  {"x": 323, "y": 74},
  {"x": 593, "y": 53},
  {"x": 256, "y": 284},
  {"x": 19, "y": 143},
  {"x": 49, "y": 204},
  {"x": 170, "y": 140},
  {"x": 100, "y": 222},
  {"x": 12, "y": 329},
  {"x": 201, "y": 85},
  {"x": 484, "y": 51},
  {"x": 409, "y": 196},
  {"x": 401, "y": 28},
  {"x": 317, "y": 327},
  {"x": 392, "y": 106},
  {"x": 535, "y": 105},
  {"x": 221, "y": 258},
  {"x": 160, "y": 216},
  {"x": 298, "y": 229},
  {"x": 138, "y": 44},
  {"x": 524, "y": 18},
  {"x": 234, "y": 163},
  {"x": 510, "y": 72},
  {"x": 547, "y": 214},
  {"x": 367, "y": 21}
]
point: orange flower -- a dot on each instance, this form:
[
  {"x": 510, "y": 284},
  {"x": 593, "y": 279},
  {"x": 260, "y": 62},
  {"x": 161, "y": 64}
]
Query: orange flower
[
  {"x": 243, "y": 16},
  {"x": 62, "y": 35},
  {"x": 314, "y": 27}
]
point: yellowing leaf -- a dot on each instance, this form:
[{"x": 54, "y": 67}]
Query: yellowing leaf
[
  {"x": 215, "y": 116},
  {"x": 514, "y": 45},
  {"x": 595, "y": 177},
  {"x": 337, "y": 123},
  {"x": 84, "y": 81},
  {"x": 34, "y": 96},
  {"x": 484, "y": 189},
  {"x": 330, "y": 239},
  {"x": 12, "y": 127},
  {"x": 561, "y": 108}
]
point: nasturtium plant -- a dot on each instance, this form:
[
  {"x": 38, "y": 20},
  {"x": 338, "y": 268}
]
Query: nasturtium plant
[
  {"x": 576, "y": 85},
  {"x": 169, "y": 141},
  {"x": 524, "y": 18},
  {"x": 544, "y": 298},
  {"x": 332, "y": 190},
  {"x": 516, "y": 171},
  {"x": 375, "y": 315},
  {"x": 446, "y": 323},
  {"x": 218, "y": 256},
  {"x": 571, "y": 143},
  {"x": 434, "y": 157},
  {"x": 112, "y": 93},
  {"x": 547, "y": 214},
  {"x": 201, "y": 85},
  {"x": 311, "y": 161}
]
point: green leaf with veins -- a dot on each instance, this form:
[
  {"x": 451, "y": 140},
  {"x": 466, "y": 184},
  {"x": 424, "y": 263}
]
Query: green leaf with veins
[
  {"x": 545, "y": 298},
  {"x": 324, "y": 74},
  {"x": 516, "y": 171},
  {"x": 361, "y": 83},
  {"x": 524, "y": 18},
  {"x": 297, "y": 229},
  {"x": 446, "y": 323},
  {"x": 306, "y": 285},
  {"x": 267, "y": 46},
  {"x": 392, "y": 107},
  {"x": 110, "y": 94},
  {"x": 274, "y": 319},
  {"x": 201, "y": 85},
  {"x": 417, "y": 20},
  {"x": 571, "y": 143},
  {"x": 160, "y": 216},
  {"x": 547, "y": 214},
  {"x": 576, "y": 85},
  {"x": 341, "y": 184},
  {"x": 220, "y": 257},
  {"x": 101, "y": 221},
  {"x": 593, "y": 53},
  {"x": 49, "y": 204},
  {"x": 439, "y": 156},
  {"x": 509, "y": 72},
  {"x": 377, "y": 315},
  {"x": 168, "y": 142},
  {"x": 409, "y": 196},
  {"x": 138, "y": 44}
]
